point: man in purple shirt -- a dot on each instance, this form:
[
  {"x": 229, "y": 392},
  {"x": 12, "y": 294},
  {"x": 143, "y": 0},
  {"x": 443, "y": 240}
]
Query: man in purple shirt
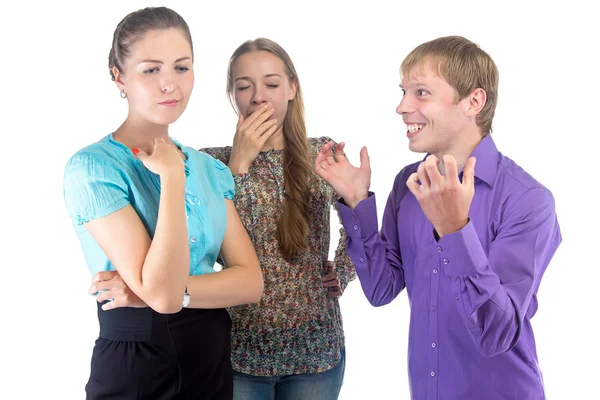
[{"x": 469, "y": 242}]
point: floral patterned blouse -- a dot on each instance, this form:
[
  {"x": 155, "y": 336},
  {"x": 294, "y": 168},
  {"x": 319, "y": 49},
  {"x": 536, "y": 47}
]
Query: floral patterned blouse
[{"x": 297, "y": 326}]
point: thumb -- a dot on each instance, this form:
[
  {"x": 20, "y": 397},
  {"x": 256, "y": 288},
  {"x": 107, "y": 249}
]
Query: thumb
[
  {"x": 469, "y": 172},
  {"x": 364, "y": 158}
]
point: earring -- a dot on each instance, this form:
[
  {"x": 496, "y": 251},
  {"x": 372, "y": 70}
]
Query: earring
[{"x": 123, "y": 94}]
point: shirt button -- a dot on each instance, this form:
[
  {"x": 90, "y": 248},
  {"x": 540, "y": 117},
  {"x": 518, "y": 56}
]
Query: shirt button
[
  {"x": 435, "y": 271},
  {"x": 361, "y": 259},
  {"x": 354, "y": 218},
  {"x": 187, "y": 216},
  {"x": 445, "y": 261},
  {"x": 193, "y": 239},
  {"x": 432, "y": 373},
  {"x": 455, "y": 298},
  {"x": 355, "y": 227},
  {"x": 439, "y": 249},
  {"x": 432, "y": 308},
  {"x": 433, "y": 345}
]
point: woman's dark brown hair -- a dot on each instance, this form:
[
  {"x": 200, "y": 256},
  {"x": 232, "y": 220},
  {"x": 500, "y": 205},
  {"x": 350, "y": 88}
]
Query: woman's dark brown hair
[{"x": 135, "y": 25}]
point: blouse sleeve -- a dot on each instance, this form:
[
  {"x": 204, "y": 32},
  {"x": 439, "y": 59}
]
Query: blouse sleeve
[
  {"x": 225, "y": 179},
  {"x": 92, "y": 188}
]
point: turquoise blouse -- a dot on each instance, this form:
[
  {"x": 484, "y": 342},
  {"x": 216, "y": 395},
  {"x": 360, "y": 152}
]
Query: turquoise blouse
[{"x": 105, "y": 176}]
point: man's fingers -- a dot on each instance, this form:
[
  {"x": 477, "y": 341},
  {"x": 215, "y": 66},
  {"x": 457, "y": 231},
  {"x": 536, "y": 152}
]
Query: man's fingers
[
  {"x": 469, "y": 173},
  {"x": 423, "y": 177},
  {"x": 413, "y": 184},
  {"x": 365, "y": 161},
  {"x": 320, "y": 159},
  {"x": 431, "y": 168},
  {"x": 451, "y": 168}
]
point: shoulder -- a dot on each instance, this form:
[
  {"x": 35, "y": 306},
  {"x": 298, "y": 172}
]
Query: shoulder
[
  {"x": 220, "y": 153},
  {"x": 521, "y": 189},
  {"x": 404, "y": 174},
  {"x": 510, "y": 172},
  {"x": 316, "y": 143},
  {"x": 399, "y": 189},
  {"x": 208, "y": 159},
  {"x": 94, "y": 156}
]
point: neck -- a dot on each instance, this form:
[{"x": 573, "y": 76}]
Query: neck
[
  {"x": 461, "y": 150},
  {"x": 275, "y": 142},
  {"x": 135, "y": 132}
]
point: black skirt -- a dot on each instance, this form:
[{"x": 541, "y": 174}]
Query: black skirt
[{"x": 142, "y": 354}]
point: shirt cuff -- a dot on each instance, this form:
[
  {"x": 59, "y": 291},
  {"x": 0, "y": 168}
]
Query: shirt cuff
[
  {"x": 461, "y": 252},
  {"x": 362, "y": 221}
]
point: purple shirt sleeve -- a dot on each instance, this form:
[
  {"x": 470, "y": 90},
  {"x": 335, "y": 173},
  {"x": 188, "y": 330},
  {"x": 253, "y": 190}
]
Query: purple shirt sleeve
[
  {"x": 376, "y": 256},
  {"x": 493, "y": 292}
]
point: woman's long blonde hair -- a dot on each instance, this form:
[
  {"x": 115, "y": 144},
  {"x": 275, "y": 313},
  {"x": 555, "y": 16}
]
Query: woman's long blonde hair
[{"x": 293, "y": 225}]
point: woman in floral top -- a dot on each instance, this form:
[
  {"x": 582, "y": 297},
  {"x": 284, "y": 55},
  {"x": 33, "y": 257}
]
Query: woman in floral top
[{"x": 291, "y": 344}]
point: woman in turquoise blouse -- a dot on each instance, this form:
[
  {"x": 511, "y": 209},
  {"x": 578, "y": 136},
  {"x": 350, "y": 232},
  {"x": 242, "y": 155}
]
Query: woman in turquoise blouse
[{"x": 159, "y": 213}]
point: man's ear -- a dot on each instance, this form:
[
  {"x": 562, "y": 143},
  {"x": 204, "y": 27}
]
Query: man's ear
[{"x": 476, "y": 102}]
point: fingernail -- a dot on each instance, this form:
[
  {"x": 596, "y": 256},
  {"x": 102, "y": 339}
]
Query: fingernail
[{"x": 135, "y": 151}]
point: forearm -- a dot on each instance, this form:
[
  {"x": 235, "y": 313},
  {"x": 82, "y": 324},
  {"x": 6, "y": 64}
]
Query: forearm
[
  {"x": 380, "y": 282},
  {"x": 488, "y": 311},
  {"x": 230, "y": 287},
  {"x": 376, "y": 258},
  {"x": 493, "y": 292},
  {"x": 166, "y": 267}
]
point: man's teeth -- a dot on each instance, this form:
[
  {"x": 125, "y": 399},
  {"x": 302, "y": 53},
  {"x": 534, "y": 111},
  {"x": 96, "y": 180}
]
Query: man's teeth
[{"x": 415, "y": 127}]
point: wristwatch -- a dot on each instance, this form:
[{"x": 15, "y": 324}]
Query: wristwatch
[{"x": 186, "y": 298}]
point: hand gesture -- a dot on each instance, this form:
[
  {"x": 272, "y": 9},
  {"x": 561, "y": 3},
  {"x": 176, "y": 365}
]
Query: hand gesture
[
  {"x": 445, "y": 200},
  {"x": 165, "y": 159},
  {"x": 349, "y": 182},
  {"x": 250, "y": 137}
]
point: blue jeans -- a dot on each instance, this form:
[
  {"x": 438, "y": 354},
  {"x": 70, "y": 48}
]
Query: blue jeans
[{"x": 322, "y": 386}]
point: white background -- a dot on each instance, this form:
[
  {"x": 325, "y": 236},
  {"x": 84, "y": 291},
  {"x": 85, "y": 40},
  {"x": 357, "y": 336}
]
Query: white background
[{"x": 57, "y": 97}]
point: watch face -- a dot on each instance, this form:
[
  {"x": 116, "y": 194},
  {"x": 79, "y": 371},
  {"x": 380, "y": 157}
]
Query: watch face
[{"x": 186, "y": 300}]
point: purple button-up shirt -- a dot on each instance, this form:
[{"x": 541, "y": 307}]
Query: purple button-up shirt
[{"x": 472, "y": 293}]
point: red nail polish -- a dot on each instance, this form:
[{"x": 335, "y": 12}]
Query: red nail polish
[{"x": 135, "y": 151}]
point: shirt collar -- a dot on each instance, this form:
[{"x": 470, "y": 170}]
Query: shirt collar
[{"x": 487, "y": 156}]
